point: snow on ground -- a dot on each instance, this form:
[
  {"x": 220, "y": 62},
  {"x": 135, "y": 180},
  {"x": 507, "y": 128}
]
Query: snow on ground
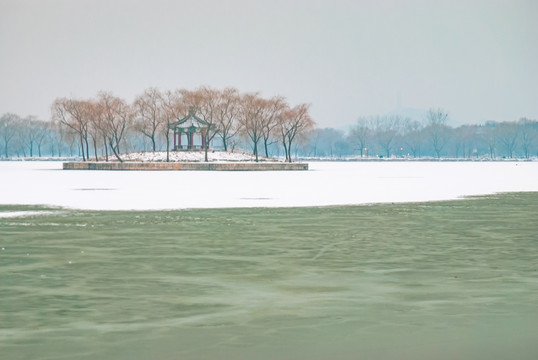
[
  {"x": 326, "y": 183},
  {"x": 190, "y": 156}
]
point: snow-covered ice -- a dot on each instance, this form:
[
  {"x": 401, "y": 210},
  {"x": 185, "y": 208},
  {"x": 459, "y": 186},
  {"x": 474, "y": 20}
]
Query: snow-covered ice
[
  {"x": 12, "y": 214},
  {"x": 326, "y": 183}
]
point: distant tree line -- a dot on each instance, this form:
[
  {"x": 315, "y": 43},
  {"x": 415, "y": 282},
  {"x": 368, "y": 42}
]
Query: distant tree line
[
  {"x": 107, "y": 126},
  {"x": 29, "y": 137},
  {"x": 399, "y": 137}
]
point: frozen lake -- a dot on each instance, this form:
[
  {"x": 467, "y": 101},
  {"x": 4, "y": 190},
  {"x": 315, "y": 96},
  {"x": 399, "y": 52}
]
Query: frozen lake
[
  {"x": 438, "y": 280},
  {"x": 326, "y": 183}
]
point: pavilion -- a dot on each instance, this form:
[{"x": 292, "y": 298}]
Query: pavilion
[{"x": 190, "y": 133}]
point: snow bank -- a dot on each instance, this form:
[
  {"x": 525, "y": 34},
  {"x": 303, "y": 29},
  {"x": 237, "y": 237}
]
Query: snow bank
[
  {"x": 326, "y": 183},
  {"x": 188, "y": 156}
]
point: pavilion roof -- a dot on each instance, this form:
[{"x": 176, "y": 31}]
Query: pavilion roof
[{"x": 189, "y": 121}]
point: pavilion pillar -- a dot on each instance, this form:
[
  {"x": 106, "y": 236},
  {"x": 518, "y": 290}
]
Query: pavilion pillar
[
  {"x": 175, "y": 139},
  {"x": 203, "y": 140},
  {"x": 191, "y": 140},
  {"x": 179, "y": 140}
]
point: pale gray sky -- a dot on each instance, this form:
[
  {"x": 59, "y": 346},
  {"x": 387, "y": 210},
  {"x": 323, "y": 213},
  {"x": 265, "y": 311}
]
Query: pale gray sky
[{"x": 477, "y": 59}]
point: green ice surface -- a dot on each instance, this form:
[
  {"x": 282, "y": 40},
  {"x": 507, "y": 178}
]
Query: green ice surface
[{"x": 438, "y": 280}]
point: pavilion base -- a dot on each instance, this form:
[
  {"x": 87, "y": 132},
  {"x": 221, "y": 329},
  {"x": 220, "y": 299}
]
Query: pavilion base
[{"x": 186, "y": 166}]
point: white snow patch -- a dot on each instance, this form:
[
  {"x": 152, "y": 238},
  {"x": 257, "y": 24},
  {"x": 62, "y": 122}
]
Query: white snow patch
[
  {"x": 13, "y": 214},
  {"x": 326, "y": 183},
  {"x": 188, "y": 156}
]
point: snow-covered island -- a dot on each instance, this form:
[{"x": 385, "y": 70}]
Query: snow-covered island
[{"x": 186, "y": 160}]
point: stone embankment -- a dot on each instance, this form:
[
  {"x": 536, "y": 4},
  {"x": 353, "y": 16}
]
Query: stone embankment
[{"x": 192, "y": 166}]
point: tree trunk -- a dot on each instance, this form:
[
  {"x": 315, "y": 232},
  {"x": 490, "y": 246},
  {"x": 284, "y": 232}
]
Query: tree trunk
[
  {"x": 206, "y": 141},
  {"x": 106, "y": 149},
  {"x": 82, "y": 148},
  {"x": 117, "y": 147},
  {"x": 265, "y": 145},
  {"x": 115, "y": 150},
  {"x": 289, "y": 151},
  {"x": 87, "y": 148},
  {"x": 168, "y": 146},
  {"x": 256, "y": 150},
  {"x": 95, "y": 149}
]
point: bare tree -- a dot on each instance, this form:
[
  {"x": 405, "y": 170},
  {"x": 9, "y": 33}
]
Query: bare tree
[
  {"x": 528, "y": 130},
  {"x": 293, "y": 123},
  {"x": 74, "y": 114},
  {"x": 95, "y": 132},
  {"x": 507, "y": 133},
  {"x": 360, "y": 135},
  {"x": 251, "y": 119},
  {"x": 488, "y": 135},
  {"x": 8, "y": 130},
  {"x": 117, "y": 117},
  {"x": 99, "y": 122},
  {"x": 227, "y": 113},
  {"x": 413, "y": 137},
  {"x": 208, "y": 109},
  {"x": 437, "y": 130},
  {"x": 272, "y": 110},
  {"x": 314, "y": 138},
  {"x": 31, "y": 133},
  {"x": 55, "y": 139},
  {"x": 69, "y": 137},
  {"x": 175, "y": 109},
  {"x": 386, "y": 130},
  {"x": 464, "y": 140},
  {"x": 326, "y": 140},
  {"x": 148, "y": 109},
  {"x": 343, "y": 147},
  {"x": 41, "y": 130},
  {"x": 26, "y": 135}
]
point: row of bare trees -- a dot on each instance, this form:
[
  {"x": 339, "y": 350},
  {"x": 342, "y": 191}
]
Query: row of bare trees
[
  {"x": 26, "y": 137},
  {"x": 267, "y": 126},
  {"x": 396, "y": 136},
  {"x": 108, "y": 123},
  {"x": 387, "y": 133},
  {"x": 265, "y": 121},
  {"x": 97, "y": 124}
]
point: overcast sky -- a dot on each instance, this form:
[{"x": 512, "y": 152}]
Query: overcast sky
[{"x": 478, "y": 60}]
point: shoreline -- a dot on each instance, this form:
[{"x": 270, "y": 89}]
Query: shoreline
[
  {"x": 186, "y": 166},
  {"x": 303, "y": 160}
]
